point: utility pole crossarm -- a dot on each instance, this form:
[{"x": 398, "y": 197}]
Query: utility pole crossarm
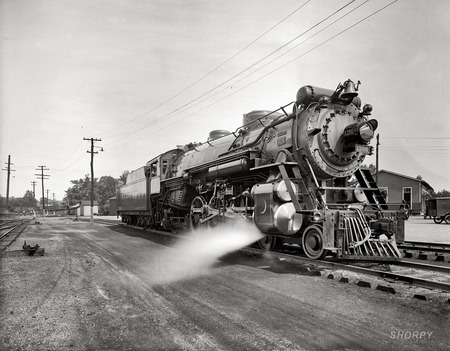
[{"x": 377, "y": 158}]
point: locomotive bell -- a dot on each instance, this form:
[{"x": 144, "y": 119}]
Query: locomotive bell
[{"x": 350, "y": 91}]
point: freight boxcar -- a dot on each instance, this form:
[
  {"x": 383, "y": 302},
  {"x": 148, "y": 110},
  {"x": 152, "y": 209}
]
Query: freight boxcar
[{"x": 439, "y": 209}]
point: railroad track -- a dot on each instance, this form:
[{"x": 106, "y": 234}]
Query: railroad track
[
  {"x": 10, "y": 230},
  {"x": 97, "y": 220},
  {"x": 423, "y": 266},
  {"x": 377, "y": 269},
  {"x": 7, "y": 226},
  {"x": 424, "y": 246},
  {"x": 372, "y": 270}
]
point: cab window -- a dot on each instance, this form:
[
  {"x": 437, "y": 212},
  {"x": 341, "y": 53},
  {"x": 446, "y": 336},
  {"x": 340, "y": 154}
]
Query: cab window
[{"x": 154, "y": 169}]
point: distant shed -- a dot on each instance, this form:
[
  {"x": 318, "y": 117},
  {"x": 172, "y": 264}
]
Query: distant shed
[
  {"x": 399, "y": 187},
  {"x": 84, "y": 210}
]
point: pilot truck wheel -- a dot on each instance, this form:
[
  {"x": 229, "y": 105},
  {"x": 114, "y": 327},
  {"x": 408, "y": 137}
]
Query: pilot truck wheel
[{"x": 312, "y": 243}]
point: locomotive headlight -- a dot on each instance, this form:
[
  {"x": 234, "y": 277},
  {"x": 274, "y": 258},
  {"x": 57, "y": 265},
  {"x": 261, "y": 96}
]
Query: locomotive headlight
[
  {"x": 360, "y": 132},
  {"x": 366, "y": 132}
]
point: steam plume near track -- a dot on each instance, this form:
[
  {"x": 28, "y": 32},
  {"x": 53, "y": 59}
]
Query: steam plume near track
[{"x": 196, "y": 254}]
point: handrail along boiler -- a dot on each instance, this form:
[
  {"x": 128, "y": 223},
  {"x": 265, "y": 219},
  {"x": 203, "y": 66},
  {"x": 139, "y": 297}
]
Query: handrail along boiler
[{"x": 297, "y": 175}]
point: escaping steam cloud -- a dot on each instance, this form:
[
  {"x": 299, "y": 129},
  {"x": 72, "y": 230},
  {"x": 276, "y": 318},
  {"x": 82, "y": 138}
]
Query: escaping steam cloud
[{"x": 200, "y": 250}]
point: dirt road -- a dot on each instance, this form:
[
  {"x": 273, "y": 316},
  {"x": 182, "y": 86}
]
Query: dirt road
[{"x": 108, "y": 288}]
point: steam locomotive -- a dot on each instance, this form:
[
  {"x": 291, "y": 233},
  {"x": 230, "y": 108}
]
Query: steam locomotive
[{"x": 296, "y": 175}]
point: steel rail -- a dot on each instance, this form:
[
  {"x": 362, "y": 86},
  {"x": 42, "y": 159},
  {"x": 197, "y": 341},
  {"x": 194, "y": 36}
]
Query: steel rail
[
  {"x": 346, "y": 266},
  {"x": 6, "y": 233},
  {"x": 11, "y": 228},
  {"x": 9, "y": 224},
  {"x": 426, "y": 243},
  {"x": 98, "y": 221},
  {"x": 424, "y": 266},
  {"x": 368, "y": 271},
  {"x": 424, "y": 246},
  {"x": 3, "y": 236}
]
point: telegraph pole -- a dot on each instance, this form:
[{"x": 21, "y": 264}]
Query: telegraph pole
[
  {"x": 8, "y": 170},
  {"x": 378, "y": 143},
  {"x": 42, "y": 176},
  {"x": 47, "y": 196},
  {"x": 33, "y": 183},
  {"x": 92, "y": 152}
]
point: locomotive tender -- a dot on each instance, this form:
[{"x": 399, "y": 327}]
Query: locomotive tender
[{"x": 296, "y": 175}]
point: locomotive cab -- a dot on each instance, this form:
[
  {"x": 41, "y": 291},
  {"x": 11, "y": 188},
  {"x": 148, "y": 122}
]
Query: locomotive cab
[{"x": 154, "y": 175}]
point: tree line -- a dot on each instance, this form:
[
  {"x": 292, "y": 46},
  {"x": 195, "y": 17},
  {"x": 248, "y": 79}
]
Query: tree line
[
  {"x": 28, "y": 201},
  {"x": 104, "y": 188}
]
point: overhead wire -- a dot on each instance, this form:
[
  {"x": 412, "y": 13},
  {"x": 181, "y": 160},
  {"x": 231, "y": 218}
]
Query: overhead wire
[
  {"x": 401, "y": 145},
  {"x": 283, "y": 54},
  {"x": 68, "y": 158},
  {"x": 282, "y": 66},
  {"x": 416, "y": 151},
  {"x": 267, "y": 56},
  {"x": 319, "y": 45},
  {"x": 405, "y": 137},
  {"x": 177, "y": 110},
  {"x": 215, "y": 69},
  {"x": 70, "y": 165}
]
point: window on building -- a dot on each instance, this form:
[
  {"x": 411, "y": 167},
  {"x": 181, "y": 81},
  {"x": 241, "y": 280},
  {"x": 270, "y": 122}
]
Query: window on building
[{"x": 407, "y": 195}]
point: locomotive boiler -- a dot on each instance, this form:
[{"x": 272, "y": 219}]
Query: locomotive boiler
[{"x": 295, "y": 172}]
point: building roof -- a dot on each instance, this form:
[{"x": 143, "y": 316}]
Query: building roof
[
  {"x": 423, "y": 182},
  {"x": 88, "y": 203}
]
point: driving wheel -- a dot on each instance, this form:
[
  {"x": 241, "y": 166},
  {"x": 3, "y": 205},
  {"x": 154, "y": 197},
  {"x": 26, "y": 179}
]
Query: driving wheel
[
  {"x": 269, "y": 242},
  {"x": 199, "y": 211}
]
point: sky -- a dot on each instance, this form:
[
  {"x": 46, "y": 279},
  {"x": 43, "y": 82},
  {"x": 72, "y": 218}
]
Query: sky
[{"x": 146, "y": 75}]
